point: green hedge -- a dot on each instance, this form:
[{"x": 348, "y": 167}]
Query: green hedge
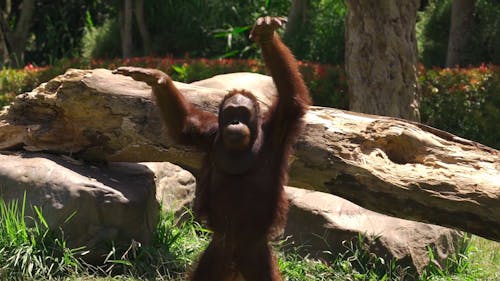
[{"x": 464, "y": 101}]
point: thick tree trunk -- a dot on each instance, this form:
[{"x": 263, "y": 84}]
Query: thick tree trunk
[
  {"x": 392, "y": 166},
  {"x": 462, "y": 13},
  {"x": 381, "y": 57},
  {"x": 126, "y": 28},
  {"x": 143, "y": 29},
  {"x": 15, "y": 40}
]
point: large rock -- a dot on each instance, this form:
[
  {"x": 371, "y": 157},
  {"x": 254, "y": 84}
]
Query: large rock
[
  {"x": 174, "y": 186},
  {"x": 117, "y": 203},
  {"x": 320, "y": 222},
  {"x": 112, "y": 203},
  {"x": 260, "y": 85},
  {"x": 385, "y": 164}
]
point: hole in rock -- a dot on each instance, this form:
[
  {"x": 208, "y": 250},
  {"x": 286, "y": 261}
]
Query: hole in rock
[{"x": 400, "y": 149}]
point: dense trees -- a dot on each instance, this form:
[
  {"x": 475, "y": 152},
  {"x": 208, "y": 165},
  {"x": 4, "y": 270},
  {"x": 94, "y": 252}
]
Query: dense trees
[
  {"x": 42, "y": 31},
  {"x": 440, "y": 31},
  {"x": 381, "y": 58}
]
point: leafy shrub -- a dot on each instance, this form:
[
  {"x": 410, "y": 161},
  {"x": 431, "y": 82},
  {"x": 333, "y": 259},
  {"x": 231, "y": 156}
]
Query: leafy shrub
[
  {"x": 11, "y": 82},
  {"x": 328, "y": 39},
  {"x": 15, "y": 81},
  {"x": 487, "y": 31},
  {"x": 327, "y": 84},
  {"x": 102, "y": 41},
  {"x": 207, "y": 28},
  {"x": 463, "y": 101}
]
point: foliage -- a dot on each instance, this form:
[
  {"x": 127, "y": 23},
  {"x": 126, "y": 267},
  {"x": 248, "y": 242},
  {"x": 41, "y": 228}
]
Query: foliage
[
  {"x": 238, "y": 23},
  {"x": 487, "y": 32},
  {"x": 321, "y": 39},
  {"x": 205, "y": 28},
  {"x": 327, "y": 84},
  {"x": 458, "y": 263},
  {"x": 56, "y": 31},
  {"x": 485, "y": 258},
  {"x": 29, "y": 249},
  {"x": 180, "y": 26},
  {"x": 16, "y": 81},
  {"x": 197, "y": 27},
  {"x": 361, "y": 261},
  {"x": 176, "y": 244},
  {"x": 101, "y": 41},
  {"x": 463, "y": 101},
  {"x": 224, "y": 27},
  {"x": 433, "y": 30},
  {"x": 12, "y": 82}
]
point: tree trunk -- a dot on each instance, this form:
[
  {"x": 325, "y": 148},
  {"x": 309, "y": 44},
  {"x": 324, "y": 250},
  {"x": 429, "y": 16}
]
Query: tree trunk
[
  {"x": 297, "y": 17},
  {"x": 126, "y": 28},
  {"x": 462, "y": 13},
  {"x": 4, "y": 30},
  {"x": 381, "y": 57},
  {"x": 388, "y": 165},
  {"x": 4, "y": 51},
  {"x": 143, "y": 29},
  {"x": 15, "y": 40}
]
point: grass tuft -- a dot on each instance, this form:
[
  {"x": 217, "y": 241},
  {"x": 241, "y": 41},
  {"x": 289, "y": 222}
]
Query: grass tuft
[{"x": 29, "y": 249}]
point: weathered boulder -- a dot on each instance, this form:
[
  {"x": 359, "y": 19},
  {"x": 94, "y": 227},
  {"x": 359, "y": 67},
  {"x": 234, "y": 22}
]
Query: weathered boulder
[
  {"x": 385, "y": 164},
  {"x": 319, "y": 222},
  {"x": 174, "y": 186},
  {"x": 116, "y": 202},
  {"x": 260, "y": 85},
  {"x": 93, "y": 205}
]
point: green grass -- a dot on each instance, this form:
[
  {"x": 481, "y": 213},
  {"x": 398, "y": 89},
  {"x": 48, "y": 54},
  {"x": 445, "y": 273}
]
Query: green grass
[
  {"x": 29, "y": 250},
  {"x": 485, "y": 258}
]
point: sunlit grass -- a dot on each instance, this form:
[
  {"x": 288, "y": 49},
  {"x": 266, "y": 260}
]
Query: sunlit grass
[
  {"x": 485, "y": 257},
  {"x": 29, "y": 250}
]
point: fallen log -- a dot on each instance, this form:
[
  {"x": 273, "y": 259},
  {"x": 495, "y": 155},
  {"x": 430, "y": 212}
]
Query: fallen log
[{"x": 388, "y": 165}]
